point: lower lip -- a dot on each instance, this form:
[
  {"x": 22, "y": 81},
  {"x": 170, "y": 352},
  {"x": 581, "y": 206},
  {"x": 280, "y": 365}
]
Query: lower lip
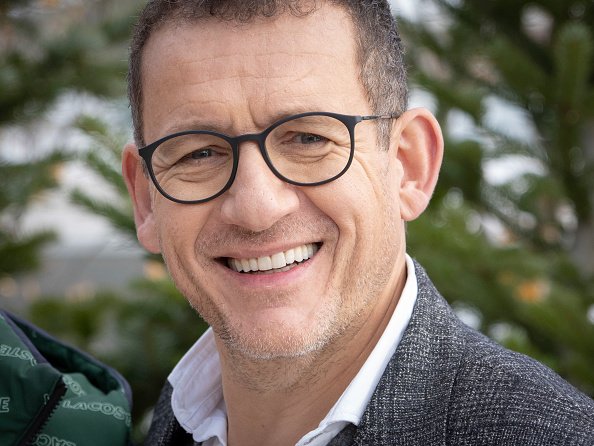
[{"x": 267, "y": 280}]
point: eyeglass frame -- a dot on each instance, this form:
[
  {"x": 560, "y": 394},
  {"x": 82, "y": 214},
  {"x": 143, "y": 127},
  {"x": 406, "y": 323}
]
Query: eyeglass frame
[{"x": 350, "y": 121}]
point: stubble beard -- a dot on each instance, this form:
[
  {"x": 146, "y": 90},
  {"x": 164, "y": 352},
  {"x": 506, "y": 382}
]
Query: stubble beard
[
  {"x": 275, "y": 340},
  {"x": 341, "y": 316}
]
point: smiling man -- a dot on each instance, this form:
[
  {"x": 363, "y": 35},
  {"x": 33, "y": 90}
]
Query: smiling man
[{"x": 274, "y": 167}]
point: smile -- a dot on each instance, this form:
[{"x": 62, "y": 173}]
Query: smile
[{"x": 279, "y": 262}]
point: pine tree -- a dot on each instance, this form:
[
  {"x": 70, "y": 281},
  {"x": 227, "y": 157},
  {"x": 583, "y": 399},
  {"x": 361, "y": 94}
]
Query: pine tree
[
  {"x": 20, "y": 183},
  {"x": 529, "y": 283},
  {"x": 48, "y": 47}
]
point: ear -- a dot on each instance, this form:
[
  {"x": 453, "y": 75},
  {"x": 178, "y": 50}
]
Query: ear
[
  {"x": 139, "y": 189},
  {"x": 418, "y": 143}
]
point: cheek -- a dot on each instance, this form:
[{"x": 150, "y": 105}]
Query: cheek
[
  {"x": 366, "y": 196},
  {"x": 376, "y": 224},
  {"x": 180, "y": 229},
  {"x": 360, "y": 207},
  {"x": 179, "y": 226}
]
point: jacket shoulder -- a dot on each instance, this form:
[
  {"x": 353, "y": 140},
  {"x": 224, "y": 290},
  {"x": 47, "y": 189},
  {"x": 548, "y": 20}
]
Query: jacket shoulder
[
  {"x": 448, "y": 384},
  {"x": 502, "y": 394}
]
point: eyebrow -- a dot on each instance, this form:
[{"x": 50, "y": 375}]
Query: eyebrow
[
  {"x": 198, "y": 124},
  {"x": 192, "y": 125}
]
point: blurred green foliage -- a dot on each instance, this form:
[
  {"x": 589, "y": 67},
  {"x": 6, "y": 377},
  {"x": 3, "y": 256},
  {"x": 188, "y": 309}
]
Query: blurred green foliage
[
  {"x": 517, "y": 253},
  {"x": 49, "y": 47},
  {"x": 20, "y": 184},
  {"x": 46, "y": 49}
]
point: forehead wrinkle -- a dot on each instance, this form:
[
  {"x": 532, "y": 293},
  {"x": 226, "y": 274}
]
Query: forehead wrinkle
[
  {"x": 302, "y": 92},
  {"x": 247, "y": 84},
  {"x": 272, "y": 66}
]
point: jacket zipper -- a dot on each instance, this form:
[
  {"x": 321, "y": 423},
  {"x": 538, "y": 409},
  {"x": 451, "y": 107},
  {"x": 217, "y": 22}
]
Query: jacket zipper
[{"x": 44, "y": 415}]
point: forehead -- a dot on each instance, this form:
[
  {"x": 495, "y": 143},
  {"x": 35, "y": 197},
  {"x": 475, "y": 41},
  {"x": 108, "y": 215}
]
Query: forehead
[{"x": 224, "y": 71}]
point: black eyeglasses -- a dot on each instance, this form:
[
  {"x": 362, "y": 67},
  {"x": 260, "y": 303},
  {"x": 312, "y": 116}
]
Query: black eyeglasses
[{"x": 307, "y": 149}]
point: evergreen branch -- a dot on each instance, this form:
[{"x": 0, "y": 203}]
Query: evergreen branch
[
  {"x": 119, "y": 217},
  {"x": 19, "y": 254},
  {"x": 494, "y": 203},
  {"x": 106, "y": 169},
  {"x": 573, "y": 53},
  {"x": 503, "y": 21},
  {"x": 507, "y": 145},
  {"x": 22, "y": 182}
]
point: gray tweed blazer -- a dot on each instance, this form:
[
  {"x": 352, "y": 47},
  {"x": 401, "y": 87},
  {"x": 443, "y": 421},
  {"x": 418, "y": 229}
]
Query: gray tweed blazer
[{"x": 447, "y": 384}]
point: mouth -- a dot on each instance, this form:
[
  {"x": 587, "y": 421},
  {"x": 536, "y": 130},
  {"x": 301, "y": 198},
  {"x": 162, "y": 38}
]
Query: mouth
[{"x": 275, "y": 263}]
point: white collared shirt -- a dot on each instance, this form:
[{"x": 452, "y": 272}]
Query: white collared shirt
[{"x": 200, "y": 409}]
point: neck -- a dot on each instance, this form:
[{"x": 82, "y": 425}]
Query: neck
[
  {"x": 276, "y": 402},
  {"x": 289, "y": 400}
]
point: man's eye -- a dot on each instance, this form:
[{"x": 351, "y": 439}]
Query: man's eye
[
  {"x": 200, "y": 154},
  {"x": 308, "y": 138},
  {"x": 197, "y": 155}
]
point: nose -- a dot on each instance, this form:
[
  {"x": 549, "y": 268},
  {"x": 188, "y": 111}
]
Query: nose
[{"x": 257, "y": 199}]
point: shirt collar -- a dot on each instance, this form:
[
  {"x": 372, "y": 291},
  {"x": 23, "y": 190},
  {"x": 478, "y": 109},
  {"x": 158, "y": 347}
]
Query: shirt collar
[
  {"x": 197, "y": 398},
  {"x": 200, "y": 409}
]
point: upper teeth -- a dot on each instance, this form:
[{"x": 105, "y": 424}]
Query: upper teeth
[{"x": 275, "y": 261}]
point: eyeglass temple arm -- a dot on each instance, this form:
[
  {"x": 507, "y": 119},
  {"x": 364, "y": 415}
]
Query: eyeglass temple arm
[{"x": 388, "y": 116}]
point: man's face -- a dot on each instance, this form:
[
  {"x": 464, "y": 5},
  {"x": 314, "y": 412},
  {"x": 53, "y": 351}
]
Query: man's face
[{"x": 239, "y": 79}]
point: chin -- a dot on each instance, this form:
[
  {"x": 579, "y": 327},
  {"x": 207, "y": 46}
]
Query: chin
[{"x": 270, "y": 341}]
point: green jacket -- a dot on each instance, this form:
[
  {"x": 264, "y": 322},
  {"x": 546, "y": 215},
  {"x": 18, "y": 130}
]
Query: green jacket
[{"x": 54, "y": 395}]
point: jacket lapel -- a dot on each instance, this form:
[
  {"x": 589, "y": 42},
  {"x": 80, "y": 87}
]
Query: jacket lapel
[{"x": 410, "y": 404}]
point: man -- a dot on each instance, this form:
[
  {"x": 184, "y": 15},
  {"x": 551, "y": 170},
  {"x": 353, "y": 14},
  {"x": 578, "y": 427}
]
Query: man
[{"x": 274, "y": 167}]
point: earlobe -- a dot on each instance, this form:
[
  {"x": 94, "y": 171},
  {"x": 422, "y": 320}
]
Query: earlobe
[
  {"x": 138, "y": 188},
  {"x": 418, "y": 143}
]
